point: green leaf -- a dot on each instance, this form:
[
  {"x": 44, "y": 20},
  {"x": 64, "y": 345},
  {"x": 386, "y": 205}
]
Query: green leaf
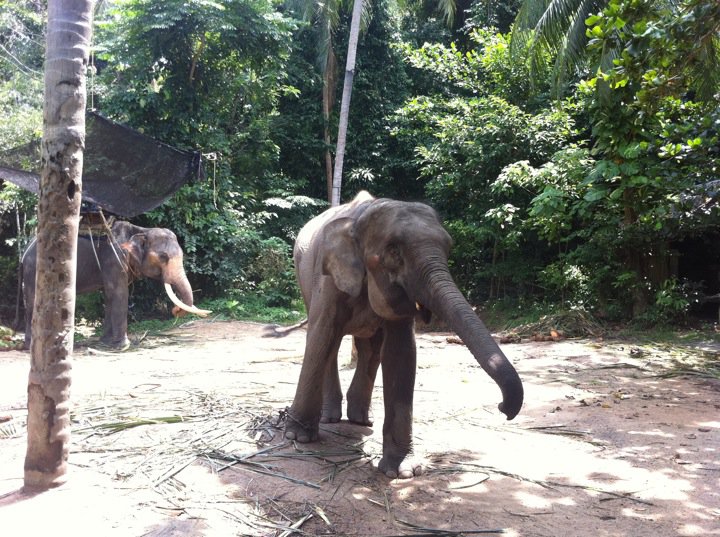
[{"x": 595, "y": 194}]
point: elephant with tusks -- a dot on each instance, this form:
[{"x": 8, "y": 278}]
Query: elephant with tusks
[{"x": 110, "y": 263}]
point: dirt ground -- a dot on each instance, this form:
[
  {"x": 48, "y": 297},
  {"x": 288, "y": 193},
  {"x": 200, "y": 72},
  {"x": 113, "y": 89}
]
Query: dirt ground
[{"x": 181, "y": 436}]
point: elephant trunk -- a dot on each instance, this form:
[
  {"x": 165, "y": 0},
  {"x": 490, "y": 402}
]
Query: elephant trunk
[{"x": 440, "y": 294}]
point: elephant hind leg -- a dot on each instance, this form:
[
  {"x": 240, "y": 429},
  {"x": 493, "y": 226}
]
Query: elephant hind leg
[{"x": 359, "y": 395}]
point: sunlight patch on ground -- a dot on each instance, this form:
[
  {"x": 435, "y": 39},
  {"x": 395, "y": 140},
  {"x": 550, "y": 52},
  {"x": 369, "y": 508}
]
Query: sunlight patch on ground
[
  {"x": 534, "y": 501},
  {"x": 713, "y": 424},
  {"x": 654, "y": 432}
]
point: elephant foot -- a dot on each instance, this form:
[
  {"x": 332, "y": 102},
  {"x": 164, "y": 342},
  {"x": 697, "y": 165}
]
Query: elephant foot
[
  {"x": 296, "y": 429},
  {"x": 120, "y": 345},
  {"x": 400, "y": 468},
  {"x": 360, "y": 414},
  {"x": 331, "y": 412}
]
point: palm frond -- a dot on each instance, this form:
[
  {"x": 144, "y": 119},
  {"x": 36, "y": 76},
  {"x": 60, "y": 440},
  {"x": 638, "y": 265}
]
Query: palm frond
[
  {"x": 554, "y": 28},
  {"x": 705, "y": 63},
  {"x": 576, "y": 37},
  {"x": 524, "y": 27},
  {"x": 571, "y": 56},
  {"x": 326, "y": 17},
  {"x": 530, "y": 13},
  {"x": 367, "y": 15},
  {"x": 447, "y": 8}
]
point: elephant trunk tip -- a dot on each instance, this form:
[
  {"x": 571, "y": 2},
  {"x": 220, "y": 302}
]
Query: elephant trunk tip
[
  {"x": 509, "y": 412},
  {"x": 512, "y": 398}
]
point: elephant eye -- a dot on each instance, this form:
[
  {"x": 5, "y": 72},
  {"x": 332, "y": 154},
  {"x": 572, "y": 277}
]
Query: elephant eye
[
  {"x": 393, "y": 258},
  {"x": 164, "y": 257}
]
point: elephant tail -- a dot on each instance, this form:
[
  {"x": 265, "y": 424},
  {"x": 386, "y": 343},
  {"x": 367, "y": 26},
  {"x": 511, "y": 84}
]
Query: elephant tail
[{"x": 274, "y": 330}]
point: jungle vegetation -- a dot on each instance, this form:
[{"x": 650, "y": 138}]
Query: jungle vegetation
[{"x": 570, "y": 146}]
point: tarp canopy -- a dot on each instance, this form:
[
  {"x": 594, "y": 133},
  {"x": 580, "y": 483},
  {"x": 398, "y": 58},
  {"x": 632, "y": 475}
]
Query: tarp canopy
[{"x": 125, "y": 172}]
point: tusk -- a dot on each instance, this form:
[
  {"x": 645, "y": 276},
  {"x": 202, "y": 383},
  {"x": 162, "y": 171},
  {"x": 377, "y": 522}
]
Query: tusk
[{"x": 180, "y": 304}]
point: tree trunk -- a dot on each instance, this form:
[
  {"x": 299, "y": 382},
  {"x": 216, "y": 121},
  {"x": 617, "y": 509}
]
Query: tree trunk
[
  {"x": 328, "y": 95},
  {"x": 69, "y": 31},
  {"x": 345, "y": 102}
]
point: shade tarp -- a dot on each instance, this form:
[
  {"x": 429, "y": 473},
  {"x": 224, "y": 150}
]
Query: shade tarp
[{"x": 124, "y": 171}]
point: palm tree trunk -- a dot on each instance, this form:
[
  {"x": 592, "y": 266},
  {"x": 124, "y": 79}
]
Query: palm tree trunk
[
  {"x": 328, "y": 96},
  {"x": 345, "y": 102},
  {"x": 69, "y": 31}
]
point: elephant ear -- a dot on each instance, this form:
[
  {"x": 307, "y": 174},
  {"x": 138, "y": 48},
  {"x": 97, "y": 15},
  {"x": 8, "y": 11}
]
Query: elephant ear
[
  {"x": 340, "y": 257},
  {"x": 134, "y": 249}
]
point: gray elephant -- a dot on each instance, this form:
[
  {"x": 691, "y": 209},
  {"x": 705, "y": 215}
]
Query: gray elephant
[
  {"x": 111, "y": 262},
  {"x": 369, "y": 268}
]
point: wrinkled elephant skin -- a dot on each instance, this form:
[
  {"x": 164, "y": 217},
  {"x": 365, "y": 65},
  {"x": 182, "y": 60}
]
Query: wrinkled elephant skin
[{"x": 368, "y": 268}]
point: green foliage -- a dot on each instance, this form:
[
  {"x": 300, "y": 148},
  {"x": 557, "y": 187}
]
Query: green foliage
[
  {"x": 252, "y": 307},
  {"x": 272, "y": 274},
  {"x": 206, "y": 76},
  {"x": 200, "y": 75},
  {"x": 380, "y": 85},
  {"x": 498, "y": 14},
  {"x": 8, "y": 288},
  {"x": 287, "y": 214},
  {"x": 577, "y": 203},
  {"x": 464, "y": 132},
  {"x": 649, "y": 135},
  {"x": 23, "y": 39},
  {"x": 21, "y": 102},
  {"x": 486, "y": 69},
  {"x": 671, "y": 305},
  {"x": 507, "y": 313},
  {"x": 90, "y": 308}
]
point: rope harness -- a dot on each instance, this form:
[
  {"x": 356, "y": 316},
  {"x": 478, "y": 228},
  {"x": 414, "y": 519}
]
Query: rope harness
[{"x": 94, "y": 226}]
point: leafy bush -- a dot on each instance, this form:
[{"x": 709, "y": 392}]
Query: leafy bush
[
  {"x": 90, "y": 308},
  {"x": 671, "y": 305},
  {"x": 272, "y": 275},
  {"x": 252, "y": 307}
]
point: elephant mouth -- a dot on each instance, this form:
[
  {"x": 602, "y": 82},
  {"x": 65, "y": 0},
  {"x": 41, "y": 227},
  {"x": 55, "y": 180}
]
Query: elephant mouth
[
  {"x": 180, "y": 304},
  {"x": 424, "y": 313}
]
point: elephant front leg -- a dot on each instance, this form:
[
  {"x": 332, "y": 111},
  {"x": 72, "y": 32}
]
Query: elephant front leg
[
  {"x": 398, "y": 357},
  {"x": 332, "y": 394},
  {"x": 115, "y": 290},
  {"x": 303, "y": 418},
  {"x": 359, "y": 395}
]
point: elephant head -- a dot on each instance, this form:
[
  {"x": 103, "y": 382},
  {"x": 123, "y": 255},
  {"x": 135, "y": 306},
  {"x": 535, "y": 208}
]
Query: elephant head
[
  {"x": 400, "y": 251},
  {"x": 155, "y": 253}
]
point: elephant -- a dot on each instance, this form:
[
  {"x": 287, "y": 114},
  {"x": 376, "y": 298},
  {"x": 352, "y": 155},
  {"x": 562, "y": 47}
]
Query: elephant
[
  {"x": 111, "y": 262},
  {"x": 368, "y": 269}
]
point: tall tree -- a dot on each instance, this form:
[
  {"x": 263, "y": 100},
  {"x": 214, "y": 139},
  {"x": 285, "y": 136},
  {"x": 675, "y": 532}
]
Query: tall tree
[
  {"x": 325, "y": 17},
  {"x": 67, "y": 53},
  {"x": 345, "y": 103}
]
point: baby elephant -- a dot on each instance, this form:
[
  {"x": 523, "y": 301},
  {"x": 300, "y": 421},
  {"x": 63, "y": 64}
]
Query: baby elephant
[
  {"x": 111, "y": 263},
  {"x": 368, "y": 268}
]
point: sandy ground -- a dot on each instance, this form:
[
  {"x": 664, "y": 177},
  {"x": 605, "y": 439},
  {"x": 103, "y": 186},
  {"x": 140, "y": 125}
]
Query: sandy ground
[{"x": 181, "y": 436}]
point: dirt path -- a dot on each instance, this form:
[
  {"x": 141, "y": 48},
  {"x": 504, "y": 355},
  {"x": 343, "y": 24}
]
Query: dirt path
[{"x": 178, "y": 437}]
